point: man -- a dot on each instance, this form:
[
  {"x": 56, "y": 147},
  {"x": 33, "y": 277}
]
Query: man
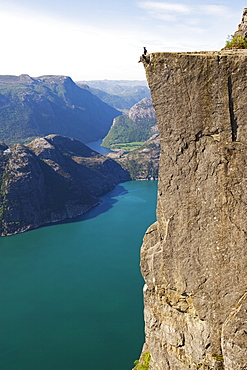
[{"x": 144, "y": 54}]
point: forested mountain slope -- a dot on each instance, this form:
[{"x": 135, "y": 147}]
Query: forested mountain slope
[
  {"x": 136, "y": 126},
  {"x": 34, "y": 107}
]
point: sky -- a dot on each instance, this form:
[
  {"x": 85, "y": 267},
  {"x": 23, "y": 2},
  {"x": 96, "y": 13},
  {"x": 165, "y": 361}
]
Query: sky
[{"x": 103, "y": 39}]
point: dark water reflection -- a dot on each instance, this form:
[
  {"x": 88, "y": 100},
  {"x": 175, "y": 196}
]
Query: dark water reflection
[{"x": 108, "y": 202}]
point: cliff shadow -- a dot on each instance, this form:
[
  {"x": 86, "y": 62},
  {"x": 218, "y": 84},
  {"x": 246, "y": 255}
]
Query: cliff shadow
[{"x": 107, "y": 202}]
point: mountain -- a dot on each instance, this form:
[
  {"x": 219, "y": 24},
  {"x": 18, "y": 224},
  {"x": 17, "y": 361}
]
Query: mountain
[
  {"x": 141, "y": 163},
  {"x": 134, "y": 141},
  {"x": 194, "y": 258},
  {"x": 51, "y": 179},
  {"x": 121, "y": 95},
  {"x": 34, "y": 107},
  {"x": 136, "y": 126},
  {"x": 116, "y": 87}
]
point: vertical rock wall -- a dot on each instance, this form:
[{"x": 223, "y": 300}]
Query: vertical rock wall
[{"x": 194, "y": 258}]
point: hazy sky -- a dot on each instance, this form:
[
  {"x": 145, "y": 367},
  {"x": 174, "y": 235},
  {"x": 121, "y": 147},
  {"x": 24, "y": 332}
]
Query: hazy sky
[{"x": 103, "y": 39}]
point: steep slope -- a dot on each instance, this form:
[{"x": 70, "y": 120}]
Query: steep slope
[
  {"x": 33, "y": 107},
  {"x": 141, "y": 163},
  {"x": 136, "y": 126},
  {"x": 194, "y": 258},
  {"x": 51, "y": 179}
]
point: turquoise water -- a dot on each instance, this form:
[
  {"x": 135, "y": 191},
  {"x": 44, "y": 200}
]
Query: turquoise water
[{"x": 71, "y": 293}]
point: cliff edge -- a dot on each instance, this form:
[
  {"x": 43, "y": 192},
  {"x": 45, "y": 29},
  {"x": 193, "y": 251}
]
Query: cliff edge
[{"x": 194, "y": 258}]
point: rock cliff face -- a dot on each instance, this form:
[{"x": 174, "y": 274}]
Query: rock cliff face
[
  {"x": 51, "y": 179},
  {"x": 194, "y": 258}
]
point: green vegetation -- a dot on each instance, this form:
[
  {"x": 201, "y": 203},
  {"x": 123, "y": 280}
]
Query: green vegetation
[
  {"x": 141, "y": 168},
  {"x": 128, "y": 146},
  {"x": 143, "y": 363},
  {"x": 217, "y": 357},
  {"x": 142, "y": 162},
  {"x": 236, "y": 42},
  {"x": 134, "y": 168},
  {"x": 125, "y": 130}
]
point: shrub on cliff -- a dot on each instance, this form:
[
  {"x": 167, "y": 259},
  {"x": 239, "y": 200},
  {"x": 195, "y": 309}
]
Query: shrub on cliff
[
  {"x": 236, "y": 42},
  {"x": 143, "y": 363}
]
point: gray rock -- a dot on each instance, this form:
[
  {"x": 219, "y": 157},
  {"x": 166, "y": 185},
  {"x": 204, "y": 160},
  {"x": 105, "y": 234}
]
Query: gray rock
[
  {"x": 51, "y": 179},
  {"x": 242, "y": 27},
  {"x": 194, "y": 258},
  {"x": 142, "y": 111}
]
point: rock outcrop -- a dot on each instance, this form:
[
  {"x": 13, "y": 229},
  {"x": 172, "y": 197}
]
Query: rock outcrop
[
  {"x": 242, "y": 27},
  {"x": 51, "y": 179},
  {"x": 143, "y": 111},
  {"x": 194, "y": 258}
]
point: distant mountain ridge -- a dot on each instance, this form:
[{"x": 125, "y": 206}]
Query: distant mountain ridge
[
  {"x": 35, "y": 107},
  {"x": 115, "y": 86},
  {"x": 120, "y": 94}
]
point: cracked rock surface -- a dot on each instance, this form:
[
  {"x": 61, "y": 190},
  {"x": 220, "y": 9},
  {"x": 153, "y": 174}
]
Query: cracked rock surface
[{"x": 194, "y": 258}]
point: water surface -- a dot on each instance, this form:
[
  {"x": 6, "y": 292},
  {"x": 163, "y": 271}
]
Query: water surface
[
  {"x": 96, "y": 145},
  {"x": 71, "y": 293}
]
